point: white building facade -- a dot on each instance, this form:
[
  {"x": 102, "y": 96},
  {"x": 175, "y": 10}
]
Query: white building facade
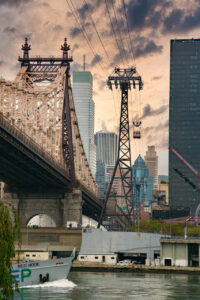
[{"x": 85, "y": 111}]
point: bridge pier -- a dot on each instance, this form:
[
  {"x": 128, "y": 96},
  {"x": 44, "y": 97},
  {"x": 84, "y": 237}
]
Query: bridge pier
[{"x": 72, "y": 207}]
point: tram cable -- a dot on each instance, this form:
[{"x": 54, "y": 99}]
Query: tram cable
[
  {"x": 99, "y": 37},
  {"x": 128, "y": 29},
  {"x": 114, "y": 33},
  {"x": 72, "y": 9},
  {"x": 120, "y": 35}
]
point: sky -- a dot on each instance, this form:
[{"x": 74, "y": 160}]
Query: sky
[{"x": 109, "y": 33}]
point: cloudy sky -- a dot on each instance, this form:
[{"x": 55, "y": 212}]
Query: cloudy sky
[{"x": 109, "y": 33}]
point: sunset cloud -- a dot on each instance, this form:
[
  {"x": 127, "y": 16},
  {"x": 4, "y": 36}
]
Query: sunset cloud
[{"x": 142, "y": 39}]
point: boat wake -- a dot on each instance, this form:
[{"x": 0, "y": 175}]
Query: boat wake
[{"x": 58, "y": 284}]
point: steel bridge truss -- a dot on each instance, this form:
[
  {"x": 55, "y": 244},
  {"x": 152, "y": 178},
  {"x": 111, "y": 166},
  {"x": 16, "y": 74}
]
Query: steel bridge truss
[{"x": 40, "y": 104}]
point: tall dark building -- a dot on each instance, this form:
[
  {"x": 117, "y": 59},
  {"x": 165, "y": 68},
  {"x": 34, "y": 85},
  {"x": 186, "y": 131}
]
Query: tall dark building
[{"x": 184, "y": 121}]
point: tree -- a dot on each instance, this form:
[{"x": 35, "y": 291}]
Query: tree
[
  {"x": 163, "y": 181},
  {"x": 9, "y": 234}
]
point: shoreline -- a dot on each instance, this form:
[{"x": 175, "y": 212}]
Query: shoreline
[{"x": 94, "y": 267}]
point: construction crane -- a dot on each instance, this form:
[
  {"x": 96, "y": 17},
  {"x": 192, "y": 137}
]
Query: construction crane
[
  {"x": 187, "y": 180},
  {"x": 192, "y": 169},
  {"x": 185, "y": 162}
]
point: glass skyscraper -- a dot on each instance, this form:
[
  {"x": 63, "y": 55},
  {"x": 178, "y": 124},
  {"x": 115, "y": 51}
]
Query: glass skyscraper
[
  {"x": 84, "y": 105},
  {"x": 106, "y": 155},
  {"x": 184, "y": 121},
  {"x": 142, "y": 183},
  {"x": 106, "y": 147}
]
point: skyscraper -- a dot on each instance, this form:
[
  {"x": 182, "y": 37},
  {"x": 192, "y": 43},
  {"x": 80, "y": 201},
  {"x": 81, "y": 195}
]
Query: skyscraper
[
  {"x": 151, "y": 161},
  {"x": 184, "y": 120},
  {"x": 106, "y": 147},
  {"x": 84, "y": 105},
  {"x": 106, "y": 155}
]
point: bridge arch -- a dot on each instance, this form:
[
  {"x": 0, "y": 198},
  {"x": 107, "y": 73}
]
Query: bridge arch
[
  {"x": 41, "y": 220},
  {"x": 29, "y": 208}
]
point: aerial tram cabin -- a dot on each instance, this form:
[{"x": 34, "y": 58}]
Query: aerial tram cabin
[{"x": 137, "y": 129}]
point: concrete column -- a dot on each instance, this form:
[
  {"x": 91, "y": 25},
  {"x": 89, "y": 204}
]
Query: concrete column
[
  {"x": 186, "y": 254},
  {"x": 161, "y": 254},
  {"x": 72, "y": 207},
  {"x": 199, "y": 255},
  {"x": 174, "y": 254}
]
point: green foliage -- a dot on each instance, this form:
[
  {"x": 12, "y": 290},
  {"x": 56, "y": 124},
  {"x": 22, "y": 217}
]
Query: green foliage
[
  {"x": 163, "y": 181},
  {"x": 175, "y": 229},
  {"x": 147, "y": 226},
  {"x": 9, "y": 233}
]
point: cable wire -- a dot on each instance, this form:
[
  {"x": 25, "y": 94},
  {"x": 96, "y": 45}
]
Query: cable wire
[
  {"x": 113, "y": 30},
  {"x": 107, "y": 55},
  {"x": 128, "y": 28},
  {"x": 72, "y": 8},
  {"x": 95, "y": 28},
  {"x": 120, "y": 36}
]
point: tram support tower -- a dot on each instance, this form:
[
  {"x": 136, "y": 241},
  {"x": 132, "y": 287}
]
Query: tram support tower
[{"x": 125, "y": 79}]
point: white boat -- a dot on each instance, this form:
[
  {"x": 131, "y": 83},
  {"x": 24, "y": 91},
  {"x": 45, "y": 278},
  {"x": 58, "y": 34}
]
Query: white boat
[{"x": 40, "y": 271}]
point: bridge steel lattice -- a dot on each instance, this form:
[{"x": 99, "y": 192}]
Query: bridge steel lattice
[{"x": 40, "y": 140}]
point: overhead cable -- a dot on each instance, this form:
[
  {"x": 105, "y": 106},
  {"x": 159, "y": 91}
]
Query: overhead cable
[
  {"x": 128, "y": 28},
  {"x": 113, "y": 30},
  {"x": 95, "y": 28},
  {"x": 120, "y": 36},
  {"x": 72, "y": 8}
]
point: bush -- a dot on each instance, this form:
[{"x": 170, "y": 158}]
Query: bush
[{"x": 9, "y": 233}]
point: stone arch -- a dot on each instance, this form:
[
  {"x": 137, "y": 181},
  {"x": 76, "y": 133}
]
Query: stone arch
[
  {"x": 29, "y": 208},
  {"x": 42, "y": 220}
]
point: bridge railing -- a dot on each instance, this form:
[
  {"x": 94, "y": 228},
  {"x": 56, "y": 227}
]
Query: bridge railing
[{"x": 30, "y": 143}]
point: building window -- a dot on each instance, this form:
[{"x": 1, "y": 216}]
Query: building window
[
  {"x": 82, "y": 257},
  {"x": 27, "y": 255},
  {"x": 112, "y": 257},
  {"x": 96, "y": 257}
]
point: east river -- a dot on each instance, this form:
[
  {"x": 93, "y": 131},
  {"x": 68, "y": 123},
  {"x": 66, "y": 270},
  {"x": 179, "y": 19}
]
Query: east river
[{"x": 89, "y": 286}]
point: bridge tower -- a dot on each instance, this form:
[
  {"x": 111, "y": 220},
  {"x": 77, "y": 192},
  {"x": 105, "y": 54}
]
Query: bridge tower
[{"x": 125, "y": 79}]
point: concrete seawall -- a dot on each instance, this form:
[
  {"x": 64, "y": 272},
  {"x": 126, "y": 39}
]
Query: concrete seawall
[
  {"x": 91, "y": 267},
  {"x": 51, "y": 239}
]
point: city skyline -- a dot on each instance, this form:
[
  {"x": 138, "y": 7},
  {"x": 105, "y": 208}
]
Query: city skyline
[{"x": 152, "y": 24}]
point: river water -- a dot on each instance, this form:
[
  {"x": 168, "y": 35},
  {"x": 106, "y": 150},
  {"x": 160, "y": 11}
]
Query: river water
[{"x": 98, "y": 286}]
